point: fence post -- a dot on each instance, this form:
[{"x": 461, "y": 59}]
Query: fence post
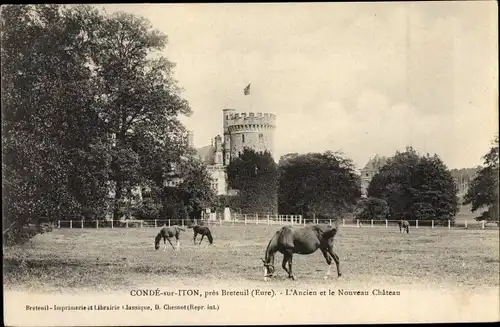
[
  {"x": 71, "y": 224},
  {"x": 268, "y": 219},
  {"x": 142, "y": 224},
  {"x": 220, "y": 221},
  {"x": 466, "y": 224},
  {"x": 482, "y": 224},
  {"x": 256, "y": 219},
  {"x": 293, "y": 218},
  {"x": 182, "y": 222},
  {"x": 81, "y": 224},
  {"x": 357, "y": 222},
  {"x": 126, "y": 223},
  {"x": 314, "y": 218},
  {"x": 416, "y": 224},
  {"x": 343, "y": 222},
  {"x": 169, "y": 222},
  {"x": 97, "y": 224},
  {"x": 330, "y": 222},
  {"x": 58, "y": 224},
  {"x": 371, "y": 223},
  {"x": 386, "y": 223},
  {"x": 112, "y": 223},
  {"x": 432, "y": 223},
  {"x": 449, "y": 224},
  {"x": 155, "y": 223},
  {"x": 245, "y": 219}
]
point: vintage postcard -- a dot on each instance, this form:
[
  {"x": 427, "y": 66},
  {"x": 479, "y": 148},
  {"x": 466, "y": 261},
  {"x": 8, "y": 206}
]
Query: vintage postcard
[{"x": 244, "y": 163}]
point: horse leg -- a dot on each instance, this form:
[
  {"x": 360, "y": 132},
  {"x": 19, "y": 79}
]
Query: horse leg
[
  {"x": 168, "y": 239},
  {"x": 165, "y": 243},
  {"x": 283, "y": 264},
  {"x": 202, "y": 236},
  {"x": 194, "y": 238},
  {"x": 335, "y": 258},
  {"x": 328, "y": 259},
  {"x": 178, "y": 242},
  {"x": 290, "y": 275}
]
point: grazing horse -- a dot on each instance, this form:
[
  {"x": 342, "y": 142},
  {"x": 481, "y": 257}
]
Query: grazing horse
[
  {"x": 166, "y": 233},
  {"x": 203, "y": 231},
  {"x": 301, "y": 240},
  {"x": 404, "y": 225}
]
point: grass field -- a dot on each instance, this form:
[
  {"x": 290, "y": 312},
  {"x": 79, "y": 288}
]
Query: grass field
[{"x": 98, "y": 259}]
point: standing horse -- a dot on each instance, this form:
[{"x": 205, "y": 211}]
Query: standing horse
[
  {"x": 301, "y": 240},
  {"x": 166, "y": 233},
  {"x": 404, "y": 225},
  {"x": 203, "y": 231}
]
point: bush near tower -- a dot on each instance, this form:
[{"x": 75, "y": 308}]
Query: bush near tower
[
  {"x": 416, "y": 187},
  {"x": 320, "y": 185},
  {"x": 255, "y": 176}
]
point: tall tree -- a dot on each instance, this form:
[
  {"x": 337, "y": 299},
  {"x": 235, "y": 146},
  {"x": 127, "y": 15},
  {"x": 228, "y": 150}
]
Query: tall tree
[
  {"x": 483, "y": 191},
  {"x": 80, "y": 91},
  {"x": 416, "y": 187},
  {"x": 324, "y": 184},
  {"x": 255, "y": 176},
  {"x": 138, "y": 94},
  {"x": 51, "y": 138}
]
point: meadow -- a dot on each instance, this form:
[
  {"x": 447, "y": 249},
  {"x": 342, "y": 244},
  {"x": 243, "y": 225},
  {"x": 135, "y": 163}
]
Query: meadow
[{"x": 105, "y": 258}]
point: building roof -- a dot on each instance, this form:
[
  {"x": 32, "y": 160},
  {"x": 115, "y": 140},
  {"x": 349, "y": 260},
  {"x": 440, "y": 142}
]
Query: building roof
[
  {"x": 375, "y": 163},
  {"x": 206, "y": 154}
]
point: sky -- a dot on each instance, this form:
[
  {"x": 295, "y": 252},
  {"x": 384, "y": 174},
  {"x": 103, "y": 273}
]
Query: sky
[{"x": 360, "y": 78}]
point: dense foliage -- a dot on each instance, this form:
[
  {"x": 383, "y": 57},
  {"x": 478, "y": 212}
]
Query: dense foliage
[
  {"x": 88, "y": 107},
  {"x": 483, "y": 191},
  {"x": 255, "y": 176},
  {"x": 325, "y": 185},
  {"x": 416, "y": 187},
  {"x": 372, "y": 208}
]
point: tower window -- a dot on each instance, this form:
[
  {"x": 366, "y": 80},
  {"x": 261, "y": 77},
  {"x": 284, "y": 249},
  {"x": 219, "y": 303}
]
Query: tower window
[
  {"x": 243, "y": 138},
  {"x": 261, "y": 137}
]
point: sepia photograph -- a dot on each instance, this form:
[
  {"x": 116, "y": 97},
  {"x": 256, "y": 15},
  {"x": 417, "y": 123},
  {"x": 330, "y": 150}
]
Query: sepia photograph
[{"x": 250, "y": 163}]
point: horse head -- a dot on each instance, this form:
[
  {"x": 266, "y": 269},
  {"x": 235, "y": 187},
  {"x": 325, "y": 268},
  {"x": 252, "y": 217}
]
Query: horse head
[
  {"x": 157, "y": 241},
  {"x": 268, "y": 269}
]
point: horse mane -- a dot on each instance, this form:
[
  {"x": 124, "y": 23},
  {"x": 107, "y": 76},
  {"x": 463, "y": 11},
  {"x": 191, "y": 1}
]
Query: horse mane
[{"x": 269, "y": 244}]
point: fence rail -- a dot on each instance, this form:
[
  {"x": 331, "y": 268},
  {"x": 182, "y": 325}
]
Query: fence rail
[{"x": 240, "y": 219}]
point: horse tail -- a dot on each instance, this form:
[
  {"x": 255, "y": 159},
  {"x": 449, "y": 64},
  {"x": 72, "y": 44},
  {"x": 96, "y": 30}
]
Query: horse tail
[{"x": 209, "y": 236}]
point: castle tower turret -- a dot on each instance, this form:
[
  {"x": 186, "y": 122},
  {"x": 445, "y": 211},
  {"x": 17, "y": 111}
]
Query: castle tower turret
[
  {"x": 250, "y": 130},
  {"x": 218, "y": 160},
  {"x": 226, "y": 114}
]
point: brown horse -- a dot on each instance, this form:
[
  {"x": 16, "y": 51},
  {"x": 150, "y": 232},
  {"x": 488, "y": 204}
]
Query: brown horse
[
  {"x": 301, "y": 240},
  {"x": 203, "y": 231},
  {"x": 167, "y": 232},
  {"x": 404, "y": 225}
]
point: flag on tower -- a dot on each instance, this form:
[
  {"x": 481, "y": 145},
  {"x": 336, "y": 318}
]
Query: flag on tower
[{"x": 246, "y": 91}]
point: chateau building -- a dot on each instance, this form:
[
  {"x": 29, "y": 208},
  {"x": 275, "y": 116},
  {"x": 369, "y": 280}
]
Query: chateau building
[
  {"x": 372, "y": 167},
  {"x": 240, "y": 130}
]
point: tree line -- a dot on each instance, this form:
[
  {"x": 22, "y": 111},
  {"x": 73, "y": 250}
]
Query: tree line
[
  {"x": 326, "y": 185},
  {"x": 89, "y": 107}
]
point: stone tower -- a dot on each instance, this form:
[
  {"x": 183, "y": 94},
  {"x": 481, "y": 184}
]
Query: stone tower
[{"x": 247, "y": 130}]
